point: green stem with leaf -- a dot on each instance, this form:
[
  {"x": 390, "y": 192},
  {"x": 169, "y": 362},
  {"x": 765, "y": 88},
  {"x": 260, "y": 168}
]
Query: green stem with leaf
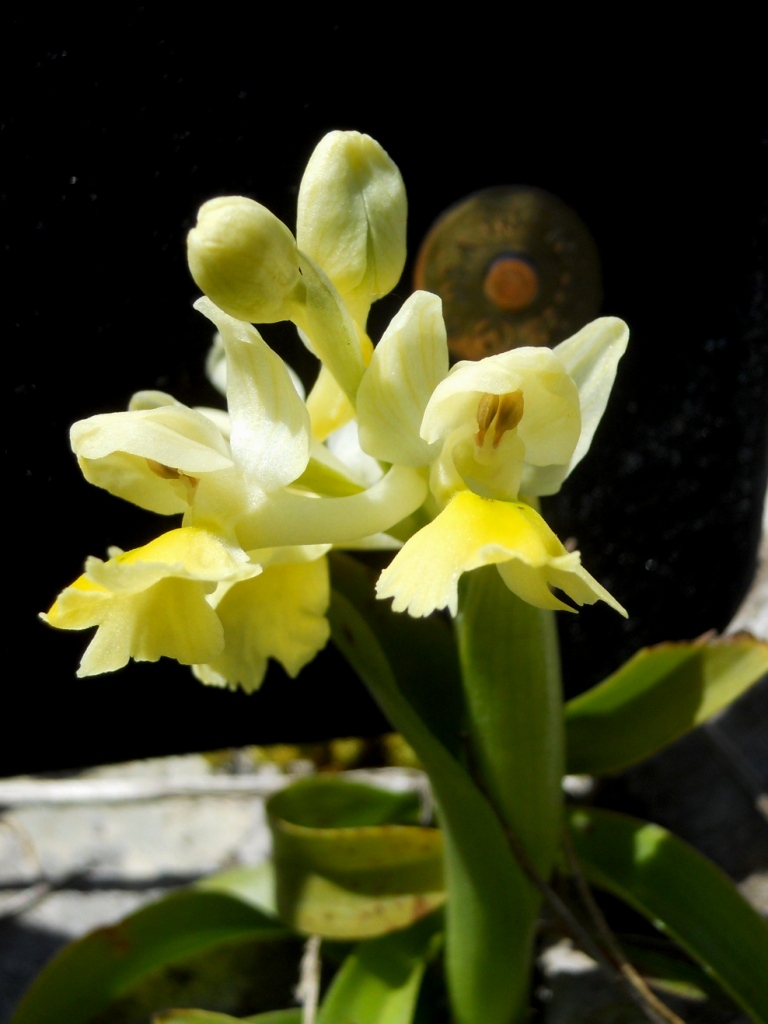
[{"x": 491, "y": 743}]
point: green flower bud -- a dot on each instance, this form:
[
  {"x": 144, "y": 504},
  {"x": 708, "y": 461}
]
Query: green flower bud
[{"x": 244, "y": 259}]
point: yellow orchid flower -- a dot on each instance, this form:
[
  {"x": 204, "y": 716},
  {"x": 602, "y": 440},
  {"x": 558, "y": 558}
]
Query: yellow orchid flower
[
  {"x": 486, "y": 431},
  {"x": 168, "y": 458},
  {"x": 248, "y": 480},
  {"x": 260, "y": 481},
  {"x": 263, "y": 499},
  {"x": 151, "y": 602},
  {"x": 187, "y": 595}
]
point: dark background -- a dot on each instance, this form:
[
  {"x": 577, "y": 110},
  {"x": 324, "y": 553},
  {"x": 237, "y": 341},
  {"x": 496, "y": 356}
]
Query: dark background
[{"x": 116, "y": 132}]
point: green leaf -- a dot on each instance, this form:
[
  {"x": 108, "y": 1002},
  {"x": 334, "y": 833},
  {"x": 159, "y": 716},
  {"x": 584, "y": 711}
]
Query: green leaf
[
  {"x": 667, "y": 968},
  {"x": 658, "y": 695},
  {"x": 292, "y": 1016},
  {"x": 252, "y": 885},
  {"x": 335, "y": 803},
  {"x": 346, "y": 866},
  {"x": 510, "y": 662},
  {"x": 379, "y": 981},
  {"x": 125, "y": 963},
  {"x": 510, "y": 665},
  {"x": 682, "y": 893},
  {"x": 378, "y": 643},
  {"x": 410, "y": 667}
]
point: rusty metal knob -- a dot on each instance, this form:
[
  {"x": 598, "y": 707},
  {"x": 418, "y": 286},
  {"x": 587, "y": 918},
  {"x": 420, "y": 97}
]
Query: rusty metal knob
[{"x": 514, "y": 266}]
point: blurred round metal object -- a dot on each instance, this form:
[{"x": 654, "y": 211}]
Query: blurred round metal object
[{"x": 514, "y": 266}]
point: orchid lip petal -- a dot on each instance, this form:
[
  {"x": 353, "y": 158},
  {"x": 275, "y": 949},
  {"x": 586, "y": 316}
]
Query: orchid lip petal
[
  {"x": 279, "y": 614},
  {"x": 473, "y": 531},
  {"x": 151, "y": 602}
]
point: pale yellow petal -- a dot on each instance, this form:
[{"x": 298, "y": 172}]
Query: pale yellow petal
[
  {"x": 170, "y": 619},
  {"x": 583, "y": 588},
  {"x": 326, "y": 474},
  {"x": 280, "y": 614},
  {"x": 591, "y": 358},
  {"x": 78, "y": 606},
  {"x": 269, "y": 424},
  {"x": 150, "y": 399},
  {"x": 532, "y": 585},
  {"x": 343, "y": 446},
  {"x": 407, "y": 365},
  {"x": 267, "y": 557},
  {"x": 151, "y": 602},
  {"x": 189, "y": 552},
  {"x": 153, "y": 456}
]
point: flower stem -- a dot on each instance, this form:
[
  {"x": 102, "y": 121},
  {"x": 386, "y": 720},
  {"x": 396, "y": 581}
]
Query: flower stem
[{"x": 508, "y": 652}]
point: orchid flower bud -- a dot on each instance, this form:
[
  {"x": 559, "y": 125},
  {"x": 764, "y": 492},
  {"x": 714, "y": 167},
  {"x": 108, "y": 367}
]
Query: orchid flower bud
[
  {"x": 351, "y": 217},
  {"x": 244, "y": 259}
]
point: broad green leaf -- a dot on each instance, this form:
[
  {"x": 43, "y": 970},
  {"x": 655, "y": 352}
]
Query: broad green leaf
[
  {"x": 669, "y": 969},
  {"x": 510, "y": 664},
  {"x": 682, "y": 893},
  {"x": 511, "y": 674},
  {"x": 252, "y": 885},
  {"x": 345, "y": 865},
  {"x": 379, "y": 981},
  {"x": 410, "y": 668},
  {"x": 142, "y": 956},
  {"x": 292, "y": 1016},
  {"x": 658, "y": 695},
  {"x": 327, "y": 802},
  {"x": 208, "y": 1017},
  {"x": 422, "y": 652}
]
